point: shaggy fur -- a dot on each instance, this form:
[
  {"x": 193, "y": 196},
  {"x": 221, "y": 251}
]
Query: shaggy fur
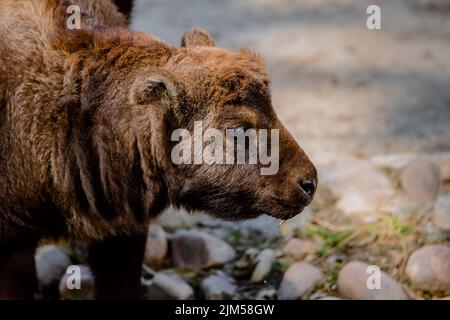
[{"x": 86, "y": 118}]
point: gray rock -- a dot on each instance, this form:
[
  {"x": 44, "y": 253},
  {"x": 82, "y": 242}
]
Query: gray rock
[
  {"x": 85, "y": 291},
  {"x": 218, "y": 287},
  {"x": 178, "y": 218},
  {"x": 353, "y": 283},
  {"x": 169, "y": 287},
  {"x": 264, "y": 262},
  {"x": 266, "y": 294},
  {"x": 428, "y": 268},
  {"x": 264, "y": 227},
  {"x": 51, "y": 264},
  {"x": 300, "y": 278},
  {"x": 360, "y": 186},
  {"x": 156, "y": 247},
  {"x": 441, "y": 214},
  {"x": 199, "y": 250},
  {"x": 445, "y": 172},
  {"x": 393, "y": 161},
  {"x": 297, "y": 223},
  {"x": 420, "y": 180},
  {"x": 299, "y": 248}
]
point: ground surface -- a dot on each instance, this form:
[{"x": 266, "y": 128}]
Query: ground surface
[{"x": 339, "y": 87}]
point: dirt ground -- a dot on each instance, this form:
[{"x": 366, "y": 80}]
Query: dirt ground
[{"x": 339, "y": 87}]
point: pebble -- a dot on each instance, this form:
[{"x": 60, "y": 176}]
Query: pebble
[
  {"x": 359, "y": 185},
  {"x": 198, "y": 249},
  {"x": 428, "y": 268},
  {"x": 441, "y": 214},
  {"x": 264, "y": 263},
  {"x": 156, "y": 247},
  {"x": 169, "y": 287},
  {"x": 420, "y": 180},
  {"x": 354, "y": 283},
  {"x": 218, "y": 287},
  {"x": 299, "y": 248},
  {"x": 51, "y": 263},
  {"x": 300, "y": 278}
]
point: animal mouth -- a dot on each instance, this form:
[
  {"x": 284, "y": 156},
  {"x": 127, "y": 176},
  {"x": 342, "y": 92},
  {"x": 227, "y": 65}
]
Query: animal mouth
[{"x": 286, "y": 209}]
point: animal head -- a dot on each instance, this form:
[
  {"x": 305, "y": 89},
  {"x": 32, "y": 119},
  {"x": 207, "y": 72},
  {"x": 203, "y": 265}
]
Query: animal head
[
  {"x": 192, "y": 126},
  {"x": 213, "y": 97}
]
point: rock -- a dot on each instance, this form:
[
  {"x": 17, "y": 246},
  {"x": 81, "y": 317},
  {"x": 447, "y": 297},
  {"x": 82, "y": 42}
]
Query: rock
[
  {"x": 441, "y": 214},
  {"x": 353, "y": 284},
  {"x": 432, "y": 233},
  {"x": 428, "y": 268},
  {"x": 51, "y": 264},
  {"x": 299, "y": 248},
  {"x": 85, "y": 291},
  {"x": 247, "y": 259},
  {"x": 402, "y": 207},
  {"x": 420, "y": 180},
  {"x": 335, "y": 259},
  {"x": 445, "y": 172},
  {"x": 398, "y": 161},
  {"x": 264, "y": 262},
  {"x": 218, "y": 287},
  {"x": 297, "y": 223},
  {"x": 300, "y": 278},
  {"x": 394, "y": 161},
  {"x": 199, "y": 250},
  {"x": 178, "y": 218},
  {"x": 441, "y": 6},
  {"x": 266, "y": 294},
  {"x": 156, "y": 247},
  {"x": 169, "y": 287},
  {"x": 265, "y": 227},
  {"x": 243, "y": 268},
  {"x": 359, "y": 185}
]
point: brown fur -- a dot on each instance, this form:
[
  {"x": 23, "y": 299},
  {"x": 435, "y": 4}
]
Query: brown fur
[{"x": 85, "y": 123}]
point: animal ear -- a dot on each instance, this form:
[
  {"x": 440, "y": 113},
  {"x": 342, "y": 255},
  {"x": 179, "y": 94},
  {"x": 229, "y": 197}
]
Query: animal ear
[
  {"x": 197, "y": 37},
  {"x": 152, "y": 88}
]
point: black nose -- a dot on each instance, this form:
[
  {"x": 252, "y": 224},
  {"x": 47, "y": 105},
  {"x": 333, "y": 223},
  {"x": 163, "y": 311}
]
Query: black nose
[{"x": 308, "y": 186}]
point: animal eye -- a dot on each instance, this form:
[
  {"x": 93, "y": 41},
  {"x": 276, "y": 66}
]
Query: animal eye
[{"x": 242, "y": 128}]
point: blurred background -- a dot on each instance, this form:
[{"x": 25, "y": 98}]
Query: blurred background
[{"x": 372, "y": 109}]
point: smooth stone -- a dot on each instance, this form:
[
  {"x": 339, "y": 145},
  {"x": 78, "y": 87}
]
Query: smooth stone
[
  {"x": 51, "y": 263},
  {"x": 218, "y": 287},
  {"x": 441, "y": 213},
  {"x": 198, "y": 249},
  {"x": 264, "y": 263},
  {"x": 169, "y": 287},
  {"x": 299, "y": 248},
  {"x": 300, "y": 278},
  {"x": 156, "y": 247},
  {"x": 353, "y": 283},
  {"x": 428, "y": 268},
  {"x": 420, "y": 180}
]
